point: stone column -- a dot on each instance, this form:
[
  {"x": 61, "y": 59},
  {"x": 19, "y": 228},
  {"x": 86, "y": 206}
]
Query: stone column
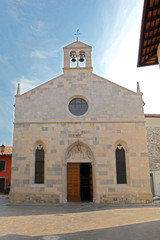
[
  {"x": 64, "y": 183},
  {"x": 94, "y": 172}
]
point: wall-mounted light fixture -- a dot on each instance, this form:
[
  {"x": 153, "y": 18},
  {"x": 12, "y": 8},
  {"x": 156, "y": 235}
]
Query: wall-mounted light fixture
[{"x": 2, "y": 148}]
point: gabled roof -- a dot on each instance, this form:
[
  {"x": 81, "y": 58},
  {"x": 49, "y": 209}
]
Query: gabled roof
[
  {"x": 150, "y": 33},
  {"x": 7, "y": 151},
  {"x": 117, "y": 85},
  {"x": 77, "y": 44}
]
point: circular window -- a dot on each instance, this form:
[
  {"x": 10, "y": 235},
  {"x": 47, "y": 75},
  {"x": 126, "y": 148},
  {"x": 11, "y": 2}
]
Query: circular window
[{"x": 78, "y": 106}]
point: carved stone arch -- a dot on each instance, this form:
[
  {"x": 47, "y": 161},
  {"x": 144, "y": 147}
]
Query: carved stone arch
[
  {"x": 39, "y": 142},
  {"x": 73, "y": 58},
  {"x": 82, "y": 58},
  {"x": 81, "y": 52},
  {"x": 73, "y": 52},
  {"x": 121, "y": 142},
  {"x": 78, "y": 152}
]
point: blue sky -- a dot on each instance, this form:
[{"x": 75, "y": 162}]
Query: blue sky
[{"x": 34, "y": 32}]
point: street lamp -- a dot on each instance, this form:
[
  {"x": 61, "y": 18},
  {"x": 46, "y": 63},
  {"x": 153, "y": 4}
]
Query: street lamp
[{"x": 2, "y": 148}]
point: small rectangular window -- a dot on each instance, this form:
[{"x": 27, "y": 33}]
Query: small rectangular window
[{"x": 2, "y": 165}]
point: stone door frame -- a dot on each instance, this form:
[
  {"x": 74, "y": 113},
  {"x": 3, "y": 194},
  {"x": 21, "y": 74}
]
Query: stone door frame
[{"x": 89, "y": 159}]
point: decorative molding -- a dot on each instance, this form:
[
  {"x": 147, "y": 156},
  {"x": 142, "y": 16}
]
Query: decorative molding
[
  {"x": 39, "y": 147},
  {"x": 78, "y": 133},
  {"x": 119, "y": 146},
  {"x": 77, "y": 122},
  {"x": 79, "y": 151}
]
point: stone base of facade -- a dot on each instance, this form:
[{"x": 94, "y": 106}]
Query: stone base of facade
[
  {"x": 127, "y": 198},
  {"x": 34, "y": 197}
]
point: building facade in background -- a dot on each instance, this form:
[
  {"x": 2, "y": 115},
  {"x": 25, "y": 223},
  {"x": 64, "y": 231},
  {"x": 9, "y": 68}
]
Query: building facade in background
[
  {"x": 80, "y": 137},
  {"x": 149, "y": 54},
  {"x": 5, "y": 167},
  {"x": 153, "y": 140}
]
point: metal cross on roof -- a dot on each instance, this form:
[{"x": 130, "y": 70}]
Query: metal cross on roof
[{"x": 77, "y": 34}]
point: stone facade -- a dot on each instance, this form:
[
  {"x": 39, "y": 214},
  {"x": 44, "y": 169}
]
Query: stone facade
[
  {"x": 153, "y": 141},
  {"x": 115, "y": 116}
]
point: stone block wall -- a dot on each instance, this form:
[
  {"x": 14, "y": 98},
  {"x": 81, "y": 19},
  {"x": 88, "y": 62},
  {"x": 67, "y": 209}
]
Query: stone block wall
[
  {"x": 106, "y": 101},
  {"x": 101, "y": 139},
  {"x": 114, "y": 116},
  {"x": 153, "y": 141}
]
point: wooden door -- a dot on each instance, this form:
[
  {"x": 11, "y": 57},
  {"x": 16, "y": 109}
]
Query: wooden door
[
  {"x": 2, "y": 184},
  {"x": 73, "y": 182}
]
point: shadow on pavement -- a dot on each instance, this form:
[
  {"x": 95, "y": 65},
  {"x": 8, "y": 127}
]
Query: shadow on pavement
[
  {"x": 142, "y": 231},
  {"x": 8, "y": 209}
]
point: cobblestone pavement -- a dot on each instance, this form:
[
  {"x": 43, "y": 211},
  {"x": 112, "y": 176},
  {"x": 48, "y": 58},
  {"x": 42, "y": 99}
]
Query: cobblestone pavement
[{"x": 78, "y": 221}]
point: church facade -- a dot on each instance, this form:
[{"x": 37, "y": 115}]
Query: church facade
[{"x": 80, "y": 137}]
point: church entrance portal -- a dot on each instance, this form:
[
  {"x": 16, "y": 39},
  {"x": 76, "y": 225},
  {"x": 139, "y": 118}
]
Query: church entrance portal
[{"x": 79, "y": 182}]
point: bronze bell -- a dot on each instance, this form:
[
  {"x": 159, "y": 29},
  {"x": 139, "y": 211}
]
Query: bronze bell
[
  {"x": 81, "y": 58},
  {"x": 73, "y": 58}
]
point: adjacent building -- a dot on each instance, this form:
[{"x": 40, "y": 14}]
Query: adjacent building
[
  {"x": 153, "y": 141},
  {"x": 149, "y": 54},
  {"x": 5, "y": 167},
  {"x": 149, "y": 46}
]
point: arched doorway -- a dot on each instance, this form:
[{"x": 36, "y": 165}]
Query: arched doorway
[{"x": 79, "y": 173}]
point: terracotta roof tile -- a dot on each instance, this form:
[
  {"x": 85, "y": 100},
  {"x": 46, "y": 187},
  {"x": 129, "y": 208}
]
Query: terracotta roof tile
[
  {"x": 152, "y": 115},
  {"x": 150, "y": 33},
  {"x": 7, "y": 151}
]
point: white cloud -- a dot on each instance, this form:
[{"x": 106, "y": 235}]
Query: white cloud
[
  {"x": 43, "y": 71},
  {"x": 125, "y": 39},
  {"x": 121, "y": 56},
  {"x": 42, "y": 54},
  {"x": 38, "y": 54},
  {"x": 6, "y": 109},
  {"x": 39, "y": 28},
  {"x": 3, "y": 59},
  {"x": 26, "y": 84},
  {"x": 15, "y": 8}
]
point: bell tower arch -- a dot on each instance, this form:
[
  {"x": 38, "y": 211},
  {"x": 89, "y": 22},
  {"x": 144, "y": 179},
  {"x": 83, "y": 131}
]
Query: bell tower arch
[{"x": 77, "y": 56}]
